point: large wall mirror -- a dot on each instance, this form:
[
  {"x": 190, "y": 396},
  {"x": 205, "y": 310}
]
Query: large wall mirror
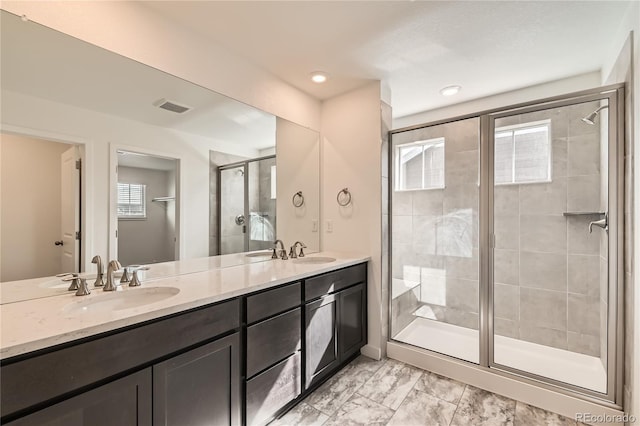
[{"x": 103, "y": 155}]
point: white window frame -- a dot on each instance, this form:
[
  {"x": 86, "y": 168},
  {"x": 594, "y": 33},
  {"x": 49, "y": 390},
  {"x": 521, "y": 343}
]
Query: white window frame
[
  {"x": 424, "y": 144},
  {"x": 130, "y": 216},
  {"x": 513, "y": 128}
]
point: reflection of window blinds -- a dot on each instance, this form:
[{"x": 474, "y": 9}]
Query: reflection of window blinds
[{"x": 131, "y": 200}]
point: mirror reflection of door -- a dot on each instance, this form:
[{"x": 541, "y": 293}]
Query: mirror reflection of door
[
  {"x": 146, "y": 208},
  {"x": 40, "y": 207}
]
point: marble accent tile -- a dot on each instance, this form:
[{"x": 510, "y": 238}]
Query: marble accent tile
[
  {"x": 506, "y": 301},
  {"x": 302, "y": 415},
  {"x": 584, "y": 155},
  {"x": 529, "y": 415},
  {"x": 543, "y": 270},
  {"x": 546, "y": 234},
  {"x": 506, "y": 266},
  {"x": 584, "y": 314},
  {"x": 391, "y": 383},
  {"x": 583, "y": 193},
  {"x": 579, "y": 240},
  {"x": 544, "y": 198},
  {"x": 543, "y": 308},
  {"x": 584, "y": 274},
  {"x": 341, "y": 387},
  {"x": 421, "y": 409},
  {"x": 439, "y": 386},
  {"x": 359, "y": 410},
  {"x": 479, "y": 407},
  {"x": 507, "y": 231}
]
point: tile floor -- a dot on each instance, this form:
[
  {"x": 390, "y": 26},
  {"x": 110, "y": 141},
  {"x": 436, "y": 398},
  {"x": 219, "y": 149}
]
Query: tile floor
[{"x": 389, "y": 392}]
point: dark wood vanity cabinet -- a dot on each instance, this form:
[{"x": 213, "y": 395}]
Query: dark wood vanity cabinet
[{"x": 241, "y": 361}]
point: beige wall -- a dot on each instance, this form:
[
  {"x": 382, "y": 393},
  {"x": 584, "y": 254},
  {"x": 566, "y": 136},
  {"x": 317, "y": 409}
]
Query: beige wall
[
  {"x": 352, "y": 144},
  {"x": 30, "y": 200}
]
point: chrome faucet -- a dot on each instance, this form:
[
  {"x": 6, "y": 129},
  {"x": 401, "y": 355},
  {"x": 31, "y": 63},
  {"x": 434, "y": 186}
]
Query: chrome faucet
[
  {"x": 83, "y": 288},
  {"x": 99, "y": 276},
  {"x": 292, "y": 252},
  {"x": 283, "y": 251},
  {"x": 112, "y": 284},
  {"x": 135, "y": 281}
]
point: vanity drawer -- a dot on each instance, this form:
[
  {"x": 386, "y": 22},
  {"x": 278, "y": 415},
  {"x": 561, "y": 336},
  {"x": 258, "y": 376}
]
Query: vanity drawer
[
  {"x": 268, "y": 392},
  {"x": 32, "y": 380},
  {"x": 273, "y": 302},
  {"x": 273, "y": 340},
  {"x": 334, "y": 281}
]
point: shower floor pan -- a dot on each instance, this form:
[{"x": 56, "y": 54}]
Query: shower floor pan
[{"x": 463, "y": 343}]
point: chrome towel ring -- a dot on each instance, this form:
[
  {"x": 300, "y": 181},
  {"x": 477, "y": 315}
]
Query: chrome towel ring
[
  {"x": 344, "y": 197},
  {"x": 298, "y": 199}
]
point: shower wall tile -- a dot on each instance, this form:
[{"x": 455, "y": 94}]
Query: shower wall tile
[
  {"x": 402, "y": 309},
  {"x": 506, "y": 200},
  {"x": 402, "y": 202},
  {"x": 584, "y": 314},
  {"x": 583, "y": 193},
  {"x": 577, "y": 127},
  {"x": 579, "y": 239},
  {"x": 584, "y": 275},
  {"x": 543, "y": 270},
  {"x": 584, "y": 155},
  {"x": 544, "y": 336},
  {"x": 506, "y": 266},
  {"x": 427, "y": 203},
  {"x": 604, "y": 280},
  {"x": 505, "y": 327},
  {"x": 460, "y": 197},
  {"x": 461, "y": 318},
  {"x": 507, "y": 231},
  {"x": 544, "y": 198},
  {"x": 433, "y": 290},
  {"x": 543, "y": 233},
  {"x": 462, "y": 294},
  {"x": 461, "y": 135},
  {"x": 543, "y": 308},
  {"x": 558, "y": 117},
  {"x": 461, "y": 168},
  {"x": 402, "y": 229},
  {"x": 401, "y": 256},
  {"x": 463, "y": 267},
  {"x": 559, "y": 158},
  {"x": 603, "y": 333},
  {"x": 506, "y": 301},
  {"x": 425, "y": 234},
  {"x": 584, "y": 343},
  {"x": 457, "y": 234}
]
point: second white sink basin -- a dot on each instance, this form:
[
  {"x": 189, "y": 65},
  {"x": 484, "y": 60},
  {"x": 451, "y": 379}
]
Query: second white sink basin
[
  {"x": 121, "y": 300},
  {"x": 265, "y": 253},
  {"x": 314, "y": 260}
]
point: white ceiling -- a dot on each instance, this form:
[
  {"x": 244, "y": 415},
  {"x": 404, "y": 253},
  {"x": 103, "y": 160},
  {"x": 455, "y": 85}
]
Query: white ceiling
[
  {"x": 51, "y": 65},
  {"x": 415, "y": 47}
]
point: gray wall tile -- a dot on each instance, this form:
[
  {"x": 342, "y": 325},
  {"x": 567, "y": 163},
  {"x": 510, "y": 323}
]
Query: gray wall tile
[
  {"x": 543, "y": 270},
  {"x": 584, "y": 314},
  {"x": 543, "y": 308},
  {"x": 584, "y": 274},
  {"x": 547, "y": 234}
]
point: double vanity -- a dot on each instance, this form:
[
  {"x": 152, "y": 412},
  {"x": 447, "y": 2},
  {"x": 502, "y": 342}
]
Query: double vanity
[{"x": 229, "y": 345}]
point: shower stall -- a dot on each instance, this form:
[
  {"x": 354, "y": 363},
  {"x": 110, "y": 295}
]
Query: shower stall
[
  {"x": 247, "y": 205},
  {"x": 506, "y": 241}
]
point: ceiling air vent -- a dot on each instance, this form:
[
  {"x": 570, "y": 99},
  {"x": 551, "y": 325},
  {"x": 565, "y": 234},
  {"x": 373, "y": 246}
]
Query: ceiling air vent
[{"x": 171, "y": 106}]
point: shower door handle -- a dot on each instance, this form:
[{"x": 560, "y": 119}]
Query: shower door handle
[{"x": 602, "y": 223}]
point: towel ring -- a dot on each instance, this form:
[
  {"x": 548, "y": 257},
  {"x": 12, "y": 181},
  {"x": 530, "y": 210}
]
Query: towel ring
[
  {"x": 344, "y": 197},
  {"x": 298, "y": 199}
]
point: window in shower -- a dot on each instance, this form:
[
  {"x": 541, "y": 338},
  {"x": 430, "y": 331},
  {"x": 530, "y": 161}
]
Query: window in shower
[
  {"x": 523, "y": 153},
  {"x": 420, "y": 165},
  {"x": 435, "y": 238}
]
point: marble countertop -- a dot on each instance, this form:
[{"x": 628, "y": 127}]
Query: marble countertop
[{"x": 40, "y": 323}]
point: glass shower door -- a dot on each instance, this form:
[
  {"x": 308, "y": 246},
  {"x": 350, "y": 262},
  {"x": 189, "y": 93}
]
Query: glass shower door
[
  {"x": 232, "y": 219},
  {"x": 551, "y": 210},
  {"x": 434, "y": 236}
]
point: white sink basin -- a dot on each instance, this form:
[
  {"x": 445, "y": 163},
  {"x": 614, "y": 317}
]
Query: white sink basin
[
  {"x": 314, "y": 260},
  {"x": 121, "y": 300},
  {"x": 266, "y": 253}
]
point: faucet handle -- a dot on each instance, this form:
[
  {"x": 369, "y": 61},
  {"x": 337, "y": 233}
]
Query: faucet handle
[
  {"x": 135, "y": 281},
  {"x": 283, "y": 254},
  {"x": 274, "y": 255},
  {"x": 70, "y": 276},
  {"x": 292, "y": 252},
  {"x": 301, "y": 252},
  {"x": 83, "y": 288}
]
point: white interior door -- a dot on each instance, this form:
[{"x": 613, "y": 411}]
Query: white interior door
[{"x": 70, "y": 212}]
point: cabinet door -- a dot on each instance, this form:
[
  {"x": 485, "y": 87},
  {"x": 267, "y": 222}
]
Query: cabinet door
[
  {"x": 125, "y": 401},
  {"x": 352, "y": 329},
  {"x": 199, "y": 387},
  {"x": 321, "y": 348}
]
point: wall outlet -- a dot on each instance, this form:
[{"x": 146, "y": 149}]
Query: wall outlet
[
  {"x": 314, "y": 226},
  {"x": 329, "y": 226}
]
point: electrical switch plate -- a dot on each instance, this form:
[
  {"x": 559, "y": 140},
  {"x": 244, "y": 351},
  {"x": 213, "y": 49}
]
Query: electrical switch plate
[{"x": 329, "y": 226}]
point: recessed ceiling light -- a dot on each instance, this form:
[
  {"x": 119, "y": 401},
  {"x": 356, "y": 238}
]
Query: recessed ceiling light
[
  {"x": 449, "y": 90},
  {"x": 319, "y": 77}
]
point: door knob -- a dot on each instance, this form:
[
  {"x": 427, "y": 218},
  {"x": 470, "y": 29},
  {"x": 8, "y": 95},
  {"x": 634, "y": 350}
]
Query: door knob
[{"x": 59, "y": 243}]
